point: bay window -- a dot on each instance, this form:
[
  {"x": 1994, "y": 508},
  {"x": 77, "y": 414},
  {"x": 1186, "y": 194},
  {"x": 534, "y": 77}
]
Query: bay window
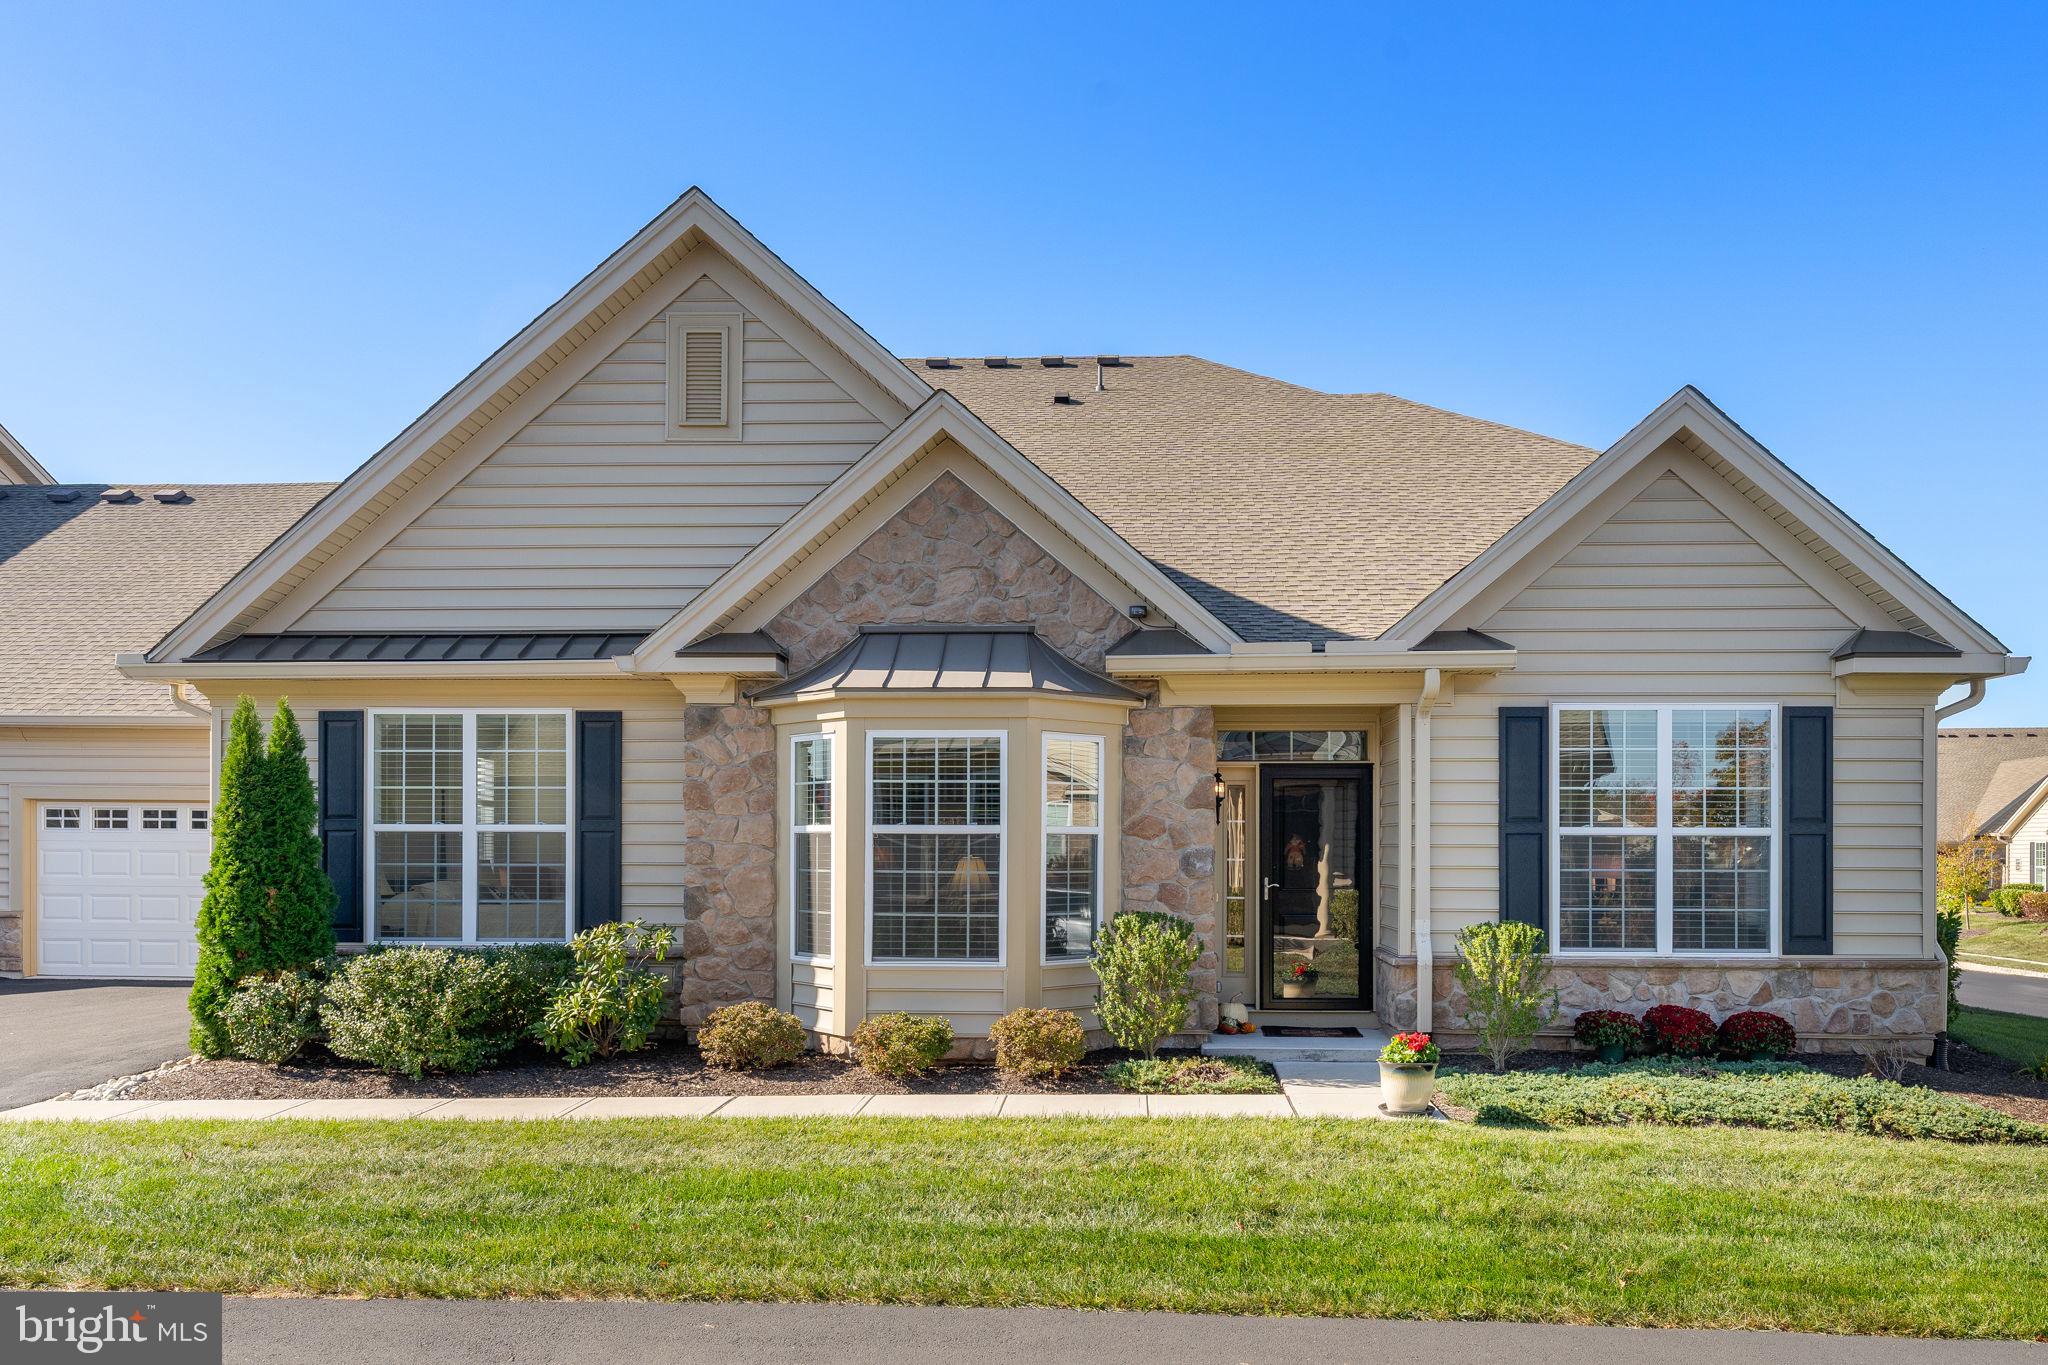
[
  {"x": 935, "y": 853},
  {"x": 1072, "y": 888},
  {"x": 469, "y": 826},
  {"x": 1664, "y": 824}
]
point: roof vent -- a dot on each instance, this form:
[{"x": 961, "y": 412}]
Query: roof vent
[
  {"x": 171, "y": 495},
  {"x": 1055, "y": 362},
  {"x": 939, "y": 362},
  {"x": 998, "y": 362},
  {"x": 61, "y": 494},
  {"x": 1114, "y": 360},
  {"x": 119, "y": 495},
  {"x": 1063, "y": 397}
]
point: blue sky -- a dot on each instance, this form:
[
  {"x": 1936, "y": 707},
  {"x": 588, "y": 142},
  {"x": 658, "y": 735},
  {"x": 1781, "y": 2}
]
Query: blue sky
[{"x": 254, "y": 242}]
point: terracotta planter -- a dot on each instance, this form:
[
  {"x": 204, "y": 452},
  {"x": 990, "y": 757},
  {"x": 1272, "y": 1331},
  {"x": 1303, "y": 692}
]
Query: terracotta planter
[{"x": 1407, "y": 1089}]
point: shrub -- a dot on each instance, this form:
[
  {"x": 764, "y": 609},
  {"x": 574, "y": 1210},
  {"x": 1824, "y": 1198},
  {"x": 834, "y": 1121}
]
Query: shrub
[
  {"x": 409, "y": 1011},
  {"x": 2034, "y": 905},
  {"x": 1948, "y": 932},
  {"x": 613, "y": 1000},
  {"x": 1344, "y": 915},
  {"x": 1038, "y": 1044},
  {"x": 1755, "y": 1035},
  {"x": 268, "y": 903},
  {"x": 1603, "y": 1028},
  {"x": 1677, "y": 1031},
  {"x": 1194, "y": 1076},
  {"x": 750, "y": 1036},
  {"x": 1503, "y": 969},
  {"x": 1144, "y": 964},
  {"x": 273, "y": 1018},
  {"x": 2006, "y": 899},
  {"x": 902, "y": 1044},
  {"x": 1780, "y": 1095}
]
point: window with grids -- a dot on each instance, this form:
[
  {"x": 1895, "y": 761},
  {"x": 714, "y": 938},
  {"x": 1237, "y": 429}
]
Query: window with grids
[
  {"x": 810, "y": 841},
  {"x": 60, "y": 817},
  {"x": 1664, "y": 831},
  {"x": 935, "y": 856},
  {"x": 109, "y": 817},
  {"x": 470, "y": 817},
  {"x": 1073, "y": 846},
  {"x": 159, "y": 817}
]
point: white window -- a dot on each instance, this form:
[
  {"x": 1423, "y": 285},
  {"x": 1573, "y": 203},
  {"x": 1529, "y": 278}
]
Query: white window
[
  {"x": 1664, "y": 821},
  {"x": 470, "y": 826},
  {"x": 810, "y": 847},
  {"x": 935, "y": 851},
  {"x": 60, "y": 817},
  {"x": 109, "y": 817},
  {"x": 1073, "y": 846},
  {"x": 159, "y": 817},
  {"x": 706, "y": 346},
  {"x": 202, "y": 818}
]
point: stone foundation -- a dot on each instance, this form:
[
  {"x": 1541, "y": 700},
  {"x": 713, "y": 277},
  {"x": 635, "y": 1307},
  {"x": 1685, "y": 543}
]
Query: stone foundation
[
  {"x": 1169, "y": 830},
  {"x": 1836, "y": 1004},
  {"x": 728, "y": 935}
]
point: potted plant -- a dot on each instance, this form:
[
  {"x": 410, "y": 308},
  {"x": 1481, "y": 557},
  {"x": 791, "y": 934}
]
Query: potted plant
[
  {"x": 1408, "y": 1073},
  {"x": 1610, "y": 1033},
  {"x": 1299, "y": 983}
]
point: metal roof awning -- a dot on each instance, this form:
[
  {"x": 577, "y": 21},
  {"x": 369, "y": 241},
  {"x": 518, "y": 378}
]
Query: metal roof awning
[{"x": 948, "y": 660}]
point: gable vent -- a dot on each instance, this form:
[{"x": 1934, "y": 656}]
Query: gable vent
[{"x": 704, "y": 376}]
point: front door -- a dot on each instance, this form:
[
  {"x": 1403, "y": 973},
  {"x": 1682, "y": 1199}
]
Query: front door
[{"x": 1316, "y": 860}]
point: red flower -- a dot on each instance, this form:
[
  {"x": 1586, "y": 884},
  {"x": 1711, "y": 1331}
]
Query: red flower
[
  {"x": 1751, "y": 1034},
  {"x": 1679, "y": 1031}
]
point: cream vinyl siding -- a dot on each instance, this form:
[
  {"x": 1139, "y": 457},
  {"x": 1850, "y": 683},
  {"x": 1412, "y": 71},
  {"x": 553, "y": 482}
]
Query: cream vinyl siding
[
  {"x": 2034, "y": 831},
  {"x": 651, "y": 877},
  {"x": 39, "y": 763},
  {"x": 589, "y": 517},
  {"x": 1670, "y": 600}
]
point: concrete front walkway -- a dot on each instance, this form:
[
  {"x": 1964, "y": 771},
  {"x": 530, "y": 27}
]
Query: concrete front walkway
[{"x": 1309, "y": 1091}]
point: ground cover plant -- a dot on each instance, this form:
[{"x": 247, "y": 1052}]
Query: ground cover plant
[
  {"x": 1195, "y": 1076},
  {"x": 1701, "y": 1227},
  {"x": 1780, "y": 1095}
]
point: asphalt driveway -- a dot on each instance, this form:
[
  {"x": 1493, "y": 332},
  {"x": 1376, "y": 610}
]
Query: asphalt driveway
[{"x": 61, "y": 1035}]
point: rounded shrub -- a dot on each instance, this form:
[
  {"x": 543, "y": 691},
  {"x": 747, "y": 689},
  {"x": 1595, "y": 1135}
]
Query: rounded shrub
[
  {"x": 1606, "y": 1028},
  {"x": 902, "y": 1044},
  {"x": 1144, "y": 965},
  {"x": 409, "y": 1011},
  {"x": 1038, "y": 1044},
  {"x": 1756, "y": 1035},
  {"x": 2034, "y": 905},
  {"x": 273, "y": 1018},
  {"x": 750, "y": 1036},
  {"x": 2006, "y": 899},
  {"x": 613, "y": 1002},
  {"x": 1677, "y": 1031}
]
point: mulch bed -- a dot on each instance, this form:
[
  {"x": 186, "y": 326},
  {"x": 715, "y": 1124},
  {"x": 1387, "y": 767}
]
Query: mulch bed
[
  {"x": 668, "y": 1069},
  {"x": 1976, "y": 1076}
]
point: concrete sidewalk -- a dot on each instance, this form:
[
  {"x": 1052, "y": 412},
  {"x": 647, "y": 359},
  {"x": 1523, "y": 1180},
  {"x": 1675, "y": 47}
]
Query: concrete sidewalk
[{"x": 375, "y": 1331}]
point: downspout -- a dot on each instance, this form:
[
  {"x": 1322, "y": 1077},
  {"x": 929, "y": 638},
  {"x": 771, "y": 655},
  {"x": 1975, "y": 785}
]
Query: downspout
[
  {"x": 178, "y": 699},
  {"x": 1975, "y": 695},
  {"x": 1425, "y": 951}
]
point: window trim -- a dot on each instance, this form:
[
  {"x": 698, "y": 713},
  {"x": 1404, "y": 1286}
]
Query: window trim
[
  {"x": 831, "y": 742},
  {"x": 1665, "y": 832},
  {"x": 1046, "y": 831},
  {"x": 372, "y": 826},
  {"x": 1001, "y": 735}
]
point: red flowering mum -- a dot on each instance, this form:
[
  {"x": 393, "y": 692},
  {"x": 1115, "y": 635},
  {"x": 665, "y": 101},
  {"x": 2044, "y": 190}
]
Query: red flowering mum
[
  {"x": 1679, "y": 1031},
  {"x": 1752, "y": 1034},
  {"x": 1595, "y": 1028}
]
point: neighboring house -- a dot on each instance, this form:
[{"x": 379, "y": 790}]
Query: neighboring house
[
  {"x": 17, "y": 466},
  {"x": 889, "y": 680},
  {"x": 1994, "y": 789}
]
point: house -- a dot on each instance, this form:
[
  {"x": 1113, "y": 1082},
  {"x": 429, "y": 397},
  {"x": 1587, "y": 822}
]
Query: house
[
  {"x": 888, "y": 680},
  {"x": 1994, "y": 792}
]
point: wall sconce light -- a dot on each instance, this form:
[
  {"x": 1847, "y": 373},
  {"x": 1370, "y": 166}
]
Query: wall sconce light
[{"x": 1221, "y": 790}]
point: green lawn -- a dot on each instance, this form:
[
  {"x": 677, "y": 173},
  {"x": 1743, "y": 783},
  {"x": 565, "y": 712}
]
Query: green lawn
[
  {"x": 2013, "y": 942},
  {"x": 1704, "y": 1228},
  {"x": 2019, "y": 1037}
]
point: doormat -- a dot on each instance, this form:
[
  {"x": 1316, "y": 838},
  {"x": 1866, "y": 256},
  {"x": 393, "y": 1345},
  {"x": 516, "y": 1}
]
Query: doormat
[{"x": 1292, "y": 1031}]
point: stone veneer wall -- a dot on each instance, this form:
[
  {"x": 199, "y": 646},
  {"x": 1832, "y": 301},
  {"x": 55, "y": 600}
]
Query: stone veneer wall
[
  {"x": 948, "y": 558},
  {"x": 728, "y": 938},
  {"x": 1836, "y": 1004},
  {"x": 1169, "y": 829}
]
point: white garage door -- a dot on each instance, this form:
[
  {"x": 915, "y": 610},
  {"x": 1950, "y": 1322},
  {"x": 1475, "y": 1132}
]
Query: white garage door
[{"x": 117, "y": 889}]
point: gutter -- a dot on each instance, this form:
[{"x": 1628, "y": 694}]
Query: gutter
[
  {"x": 1301, "y": 659},
  {"x": 137, "y": 666},
  {"x": 1976, "y": 694}
]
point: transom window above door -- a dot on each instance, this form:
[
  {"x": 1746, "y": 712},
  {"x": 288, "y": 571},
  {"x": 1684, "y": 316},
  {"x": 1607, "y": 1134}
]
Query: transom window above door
[
  {"x": 470, "y": 826},
  {"x": 1291, "y": 746},
  {"x": 1664, "y": 829}
]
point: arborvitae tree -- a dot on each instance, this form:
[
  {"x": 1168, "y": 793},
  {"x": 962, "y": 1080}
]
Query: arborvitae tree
[{"x": 267, "y": 897}]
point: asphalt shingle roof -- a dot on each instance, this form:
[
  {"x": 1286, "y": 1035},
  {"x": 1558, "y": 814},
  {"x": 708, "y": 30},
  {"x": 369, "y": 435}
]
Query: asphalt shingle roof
[
  {"x": 83, "y": 580},
  {"x": 1985, "y": 776},
  {"x": 1290, "y": 513}
]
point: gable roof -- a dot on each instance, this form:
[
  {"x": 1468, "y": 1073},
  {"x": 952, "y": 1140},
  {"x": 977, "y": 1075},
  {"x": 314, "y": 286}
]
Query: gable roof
[
  {"x": 17, "y": 466},
  {"x": 83, "y": 579},
  {"x": 1986, "y": 778},
  {"x": 523, "y": 369},
  {"x": 1289, "y": 513}
]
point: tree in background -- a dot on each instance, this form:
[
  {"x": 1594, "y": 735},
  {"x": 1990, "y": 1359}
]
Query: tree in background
[{"x": 268, "y": 901}]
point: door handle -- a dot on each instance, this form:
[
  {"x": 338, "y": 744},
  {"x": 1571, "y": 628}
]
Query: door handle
[{"x": 1267, "y": 891}]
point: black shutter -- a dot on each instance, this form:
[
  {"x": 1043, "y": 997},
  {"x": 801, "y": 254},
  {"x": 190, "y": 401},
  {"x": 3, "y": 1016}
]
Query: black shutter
[
  {"x": 1809, "y": 829},
  {"x": 1525, "y": 814},
  {"x": 341, "y": 818},
  {"x": 599, "y": 773}
]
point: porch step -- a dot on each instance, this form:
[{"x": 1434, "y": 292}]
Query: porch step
[{"x": 1362, "y": 1052}]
